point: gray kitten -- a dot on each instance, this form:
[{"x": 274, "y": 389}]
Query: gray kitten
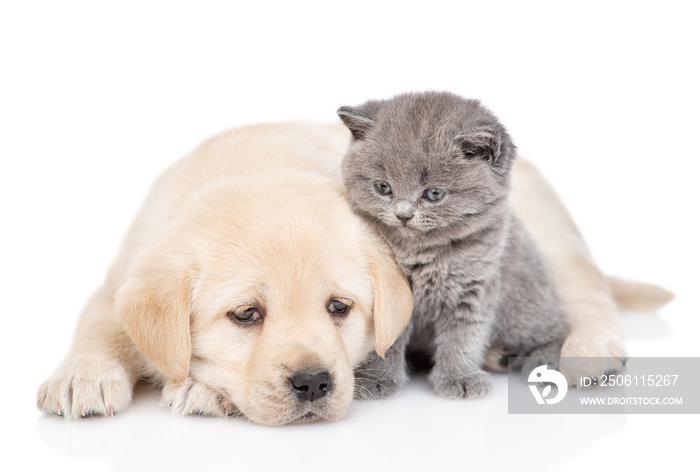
[{"x": 431, "y": 171}]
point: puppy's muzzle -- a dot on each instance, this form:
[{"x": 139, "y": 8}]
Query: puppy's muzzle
[{"x": 310, "y": 386}]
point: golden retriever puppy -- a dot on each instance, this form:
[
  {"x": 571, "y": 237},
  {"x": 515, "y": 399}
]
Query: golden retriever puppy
[{"x": 245, "y": 285}]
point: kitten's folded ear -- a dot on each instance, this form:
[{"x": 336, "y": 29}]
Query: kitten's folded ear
[
  {"x": 358, "y": 124},
  {"x": 493, "y": 146},
  {"x": 359, "y": 120}
]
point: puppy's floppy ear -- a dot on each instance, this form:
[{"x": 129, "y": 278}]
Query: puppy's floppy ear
[
  {"x": 359, "y": 120},
  {"x": 153, "y": 306},
  {"x": 393, "y": 299},
  {"x": 490, "y": 144}
]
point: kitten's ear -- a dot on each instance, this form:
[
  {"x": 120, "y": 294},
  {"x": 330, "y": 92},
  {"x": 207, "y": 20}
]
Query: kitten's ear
[
  {"x": 492, "y": 146},
  {"x": 358, "y": 122}
]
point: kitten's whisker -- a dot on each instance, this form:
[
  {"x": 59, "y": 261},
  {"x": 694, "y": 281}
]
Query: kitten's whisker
[{"x": 362, "y": 393}]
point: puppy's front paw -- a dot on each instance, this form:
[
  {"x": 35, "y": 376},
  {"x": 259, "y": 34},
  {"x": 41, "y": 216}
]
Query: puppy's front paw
[
  {"x": 470, "y": 386},
  {"x": 86, "y": 387},
  {"x": 599, "y": 352},
  {"x": 380, "y": 378},
  {"x": 195, "y": 398}
]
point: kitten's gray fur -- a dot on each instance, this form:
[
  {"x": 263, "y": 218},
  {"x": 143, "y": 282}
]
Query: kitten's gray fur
[{"x": 477, "y": 278}]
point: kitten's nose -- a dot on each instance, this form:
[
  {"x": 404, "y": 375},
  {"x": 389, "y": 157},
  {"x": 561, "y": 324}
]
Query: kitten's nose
[
  {"x": 404, "y": 218},
  {"x": 405, "y": 211}
]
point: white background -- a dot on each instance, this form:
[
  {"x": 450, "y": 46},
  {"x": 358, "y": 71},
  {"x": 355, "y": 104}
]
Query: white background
[{"x": 96, "y": 99}]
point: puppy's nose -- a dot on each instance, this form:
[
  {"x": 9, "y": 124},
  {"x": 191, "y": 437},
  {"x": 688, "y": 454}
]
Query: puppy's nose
[{"x": 311, "y": 386}]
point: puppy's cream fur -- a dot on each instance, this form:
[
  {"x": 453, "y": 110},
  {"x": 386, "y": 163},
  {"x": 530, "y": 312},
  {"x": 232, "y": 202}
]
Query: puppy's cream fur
[
  {"x": 253, "y": 218},
  {"x": 257, "y": 217},
  {"x": 590, "y": 299}
]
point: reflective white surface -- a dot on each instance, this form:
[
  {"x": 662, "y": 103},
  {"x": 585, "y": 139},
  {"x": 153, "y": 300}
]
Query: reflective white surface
[
  {"x": 415, "y": 431},
  {"x": 96, "y": 100}
]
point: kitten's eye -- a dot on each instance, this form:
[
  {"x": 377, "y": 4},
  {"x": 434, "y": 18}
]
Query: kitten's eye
[
  {"x": 248, "y": 316},
  {"x": 382, "y": 188},
  {"x": 433, "y": 194},
  {"x": 337, "y": 307}
]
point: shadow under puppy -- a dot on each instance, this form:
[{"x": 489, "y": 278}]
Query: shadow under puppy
[
  {"x": 245, "y": 285},
  {"x": 431, "y": 171}
]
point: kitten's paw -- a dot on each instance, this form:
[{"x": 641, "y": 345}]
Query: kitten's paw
[
  {"x": 86, "y": 387},
  {"x": 195, "y": 398},
  {"x": 470, "y": 386},
  {"x": 600, "y": 352}
]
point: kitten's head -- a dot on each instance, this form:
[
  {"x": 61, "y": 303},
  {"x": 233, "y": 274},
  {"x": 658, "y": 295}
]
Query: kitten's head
[{"x": 425, "y": 163}]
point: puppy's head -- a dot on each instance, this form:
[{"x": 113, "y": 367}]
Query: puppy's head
[{"x": 270, "y": 291}]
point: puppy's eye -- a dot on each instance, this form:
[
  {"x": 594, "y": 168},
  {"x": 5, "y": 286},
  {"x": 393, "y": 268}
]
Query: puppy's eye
[
  {"x": 382, "y": 188},
  {"x": 248, "y": 315},
  {"x": 434, "y": 194},
  {"x": 337, "y": 307}
]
